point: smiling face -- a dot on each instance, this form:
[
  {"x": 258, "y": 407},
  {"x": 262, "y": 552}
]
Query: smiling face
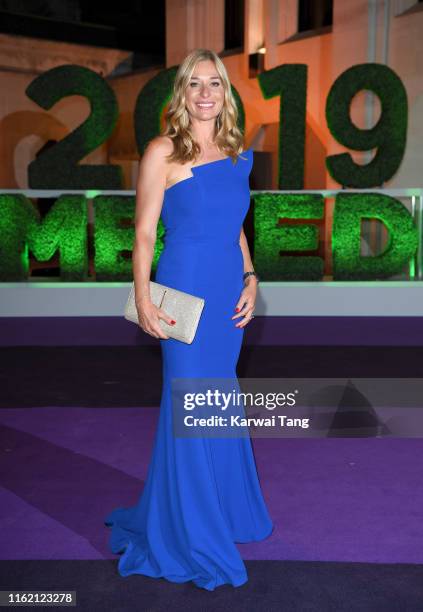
[{"x": 204, "y": 94}]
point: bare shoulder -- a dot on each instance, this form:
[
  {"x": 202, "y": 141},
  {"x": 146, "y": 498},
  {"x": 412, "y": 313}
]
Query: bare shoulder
[
  {"x": 157, "y": 150},
  {"x": 153, "y": 164}
]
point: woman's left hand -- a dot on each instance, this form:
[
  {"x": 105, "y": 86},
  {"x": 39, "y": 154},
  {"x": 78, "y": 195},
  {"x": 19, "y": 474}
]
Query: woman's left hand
[{"x": 246, "y": 303}]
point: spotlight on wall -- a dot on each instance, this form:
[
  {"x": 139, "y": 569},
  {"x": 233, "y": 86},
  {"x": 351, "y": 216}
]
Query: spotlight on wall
[{"x": 256, "y": 62}]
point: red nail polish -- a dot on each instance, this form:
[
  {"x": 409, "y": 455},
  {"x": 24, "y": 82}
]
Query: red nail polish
[
  {"x": 237, "y": 309},
  {"x": 172, "y": 322}
]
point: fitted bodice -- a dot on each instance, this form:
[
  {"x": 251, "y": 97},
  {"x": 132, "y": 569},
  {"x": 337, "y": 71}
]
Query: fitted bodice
[{"x": 211, "y": 204}]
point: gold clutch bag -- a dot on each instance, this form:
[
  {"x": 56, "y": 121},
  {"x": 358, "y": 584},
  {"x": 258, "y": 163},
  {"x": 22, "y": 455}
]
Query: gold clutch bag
[{"x": 183, "y": 307}]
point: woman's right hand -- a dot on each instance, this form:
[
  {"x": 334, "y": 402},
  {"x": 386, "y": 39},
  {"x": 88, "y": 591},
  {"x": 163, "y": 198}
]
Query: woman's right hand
[{"x": 149, "y": 316}]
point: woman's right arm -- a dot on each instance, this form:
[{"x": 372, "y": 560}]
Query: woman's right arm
[{"x": 150, "y": 187}]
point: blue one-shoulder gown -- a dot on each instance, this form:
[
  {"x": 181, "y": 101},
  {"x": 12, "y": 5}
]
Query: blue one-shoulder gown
[{"x": 201, "y": 494}]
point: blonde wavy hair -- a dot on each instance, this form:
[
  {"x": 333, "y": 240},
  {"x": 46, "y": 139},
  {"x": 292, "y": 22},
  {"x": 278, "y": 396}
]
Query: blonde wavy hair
[{"x": 227, "y": 136}]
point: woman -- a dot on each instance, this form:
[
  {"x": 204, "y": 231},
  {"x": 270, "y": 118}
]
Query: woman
[{"x": 201, "y": 494}]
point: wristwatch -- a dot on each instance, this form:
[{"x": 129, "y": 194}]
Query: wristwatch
[{"x": 252, "y": 273}]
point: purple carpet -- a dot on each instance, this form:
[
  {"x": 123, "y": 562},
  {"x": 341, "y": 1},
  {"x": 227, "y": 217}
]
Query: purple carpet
[
  {"x": 265, "y": 330},
  {"x": 335, "y": 499}
]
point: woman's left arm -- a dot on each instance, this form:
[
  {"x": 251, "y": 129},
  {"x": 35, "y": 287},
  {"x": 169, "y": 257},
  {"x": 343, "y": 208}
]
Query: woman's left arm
[{"x": 246, "y": 303}]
